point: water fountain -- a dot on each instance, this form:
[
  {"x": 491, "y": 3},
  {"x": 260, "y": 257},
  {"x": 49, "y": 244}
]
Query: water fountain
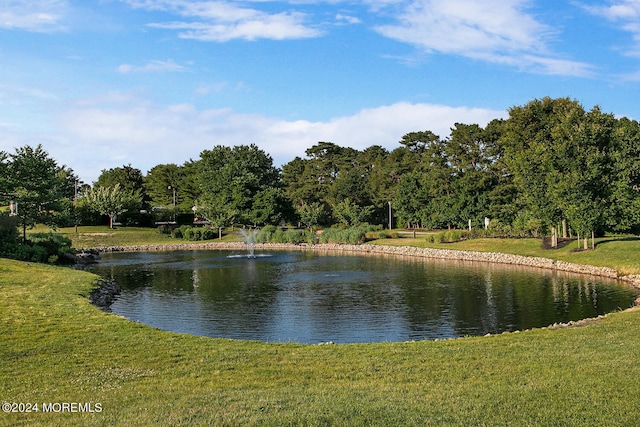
[{"x": 250, "y": 240}]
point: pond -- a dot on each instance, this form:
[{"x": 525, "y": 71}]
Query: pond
[{"x": 307, "y": 297}]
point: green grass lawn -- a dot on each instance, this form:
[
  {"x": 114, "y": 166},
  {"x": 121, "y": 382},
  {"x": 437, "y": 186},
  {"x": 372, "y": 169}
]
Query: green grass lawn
[
  {"x": 101, "y": 236},
  {"x": 55, "y": 347}
]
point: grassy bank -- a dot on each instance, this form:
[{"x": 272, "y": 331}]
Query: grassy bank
[{"x": 56, "y": 347}]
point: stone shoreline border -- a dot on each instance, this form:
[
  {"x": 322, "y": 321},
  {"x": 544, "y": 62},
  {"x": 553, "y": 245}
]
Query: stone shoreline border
[{"x": 442, "y": 254}]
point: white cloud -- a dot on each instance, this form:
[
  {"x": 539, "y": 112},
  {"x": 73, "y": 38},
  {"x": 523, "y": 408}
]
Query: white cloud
[
  {"x": 626, "y": 15},
  {"x": 120, "y": 129},
  {"x": 32, "y": 15},
  {"x": 223, "y": 21},
  {"x": 347, "y": 19},
  {"x": 618, "y": 10},
  {"x": 498, "y": 32},
  {"x": 153, "y": 66}
]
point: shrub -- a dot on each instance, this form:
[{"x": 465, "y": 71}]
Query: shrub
[
  {"x": 294, "y": 236},
  {"x": 349, "y": 236},
  {"x": 290, "y": 236},
  {"x": 452, "y": 235},
  {"x": 177, "y": 233},
  {"x": 54, "y": 244},
  {"x": 25, "y": 252},
  {"x": 383, "y": 235},
  {"x": 266, "y": 233},
  {"x": 41, "y": 247},
  {"x": 435, "y": 238},
  {"x": 273, "y": 234},
  {"x": 165, "y": 229},
  {"x": 8, "y": 229},
  {"x": 194, "y": 233},
  {"x": 187, "y": 233},
  {"x": 207, "y": 233}
]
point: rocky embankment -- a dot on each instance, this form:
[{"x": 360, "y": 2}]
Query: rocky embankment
[
  {"x": 444, "y": 254},
  {"x": 104, "y": 294}
]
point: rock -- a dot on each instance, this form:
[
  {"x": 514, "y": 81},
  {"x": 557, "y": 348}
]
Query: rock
[{"x": 104, "y": 295}]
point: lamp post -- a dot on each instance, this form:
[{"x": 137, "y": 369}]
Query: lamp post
[
  {"x": 174, "y": 201},
  {"x": 75, "y": 202},
  {"x": 390, "y": 219}
]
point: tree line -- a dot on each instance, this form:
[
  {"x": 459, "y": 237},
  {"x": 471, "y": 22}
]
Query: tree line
[{"x": 550, "y": 166}]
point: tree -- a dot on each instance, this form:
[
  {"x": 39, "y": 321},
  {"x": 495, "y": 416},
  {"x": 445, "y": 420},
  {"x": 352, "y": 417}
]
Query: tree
[
  {"x": 468, "y": 162},
  {"x": 624, "y": 210},
  {"x": 298, "y": 189},
  {"x": 271, "y": 206},
  {"x": 419, "y": 142},
  {"x": 160, "y": 183},
  {"x": 532, "y": 155},
  {"x": 112, "y": 201},
  {"x": 317, "y": 174},
  {"x": 4, "y": 177},
  {"x": 231, "y": 178},
  {"x": 190, "y": 191},
  {"x": 331, "y": 174},
  {"x": 412, "y": 199},
  {"x": 170, "y": 188},
  {"x": 37, "y": 184},
  {"x": 311, "y": 214},
  {"x": 378, "y": 181},
  {"x": 128, "y": 177},
  {"x": 131, "y": 180},
  {"x": 562, "y": 160},
  {"x": 351, "y": 214},
  {"x": 219, "y": 216},
  {"x": 504, "y": 204},
  {"x": 582, "y": 181}
]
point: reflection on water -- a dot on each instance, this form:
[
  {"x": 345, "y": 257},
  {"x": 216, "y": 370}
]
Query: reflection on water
[{"x": 309, "y": 298}]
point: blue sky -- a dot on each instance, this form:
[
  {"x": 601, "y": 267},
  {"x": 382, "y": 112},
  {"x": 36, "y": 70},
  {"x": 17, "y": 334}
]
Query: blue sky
[{"x": 105, "y": 83}]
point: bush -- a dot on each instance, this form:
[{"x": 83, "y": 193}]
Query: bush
[
  {"x": 349, "y": 236},
  {"x": 292, "y": 236},
  {"x": 54, "y": 244},
  {"x": 451, "y": 236},
  {"x": 273, "y": 234},
  {"x": 434, "y": 238},
  {"x": 165, "y": 229},
  {"x": 24, "y": 252},
  {"x": 8, "y": 229},
  {"x": 383, "y": 235},
  {"x": 178, "y": 233},
  {"x": 41, "y": 247},
  {"x": 266, "y": 233},
  {"x": 194, "y": 233}
]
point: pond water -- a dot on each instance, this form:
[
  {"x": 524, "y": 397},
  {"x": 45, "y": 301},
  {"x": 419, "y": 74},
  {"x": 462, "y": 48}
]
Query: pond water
[{"x": 306, "y": 297}]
